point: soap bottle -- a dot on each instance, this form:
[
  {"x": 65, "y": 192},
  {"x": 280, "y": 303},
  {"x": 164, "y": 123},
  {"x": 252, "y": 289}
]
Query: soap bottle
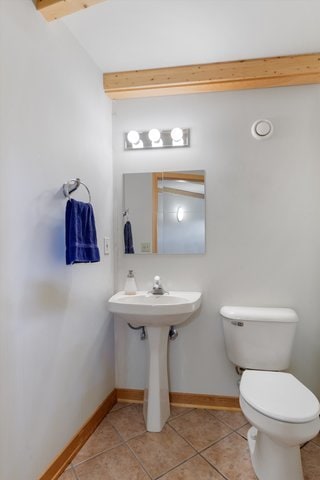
[{"x": 130, "y": 287}]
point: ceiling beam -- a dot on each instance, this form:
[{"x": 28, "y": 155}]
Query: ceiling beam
[
  {"x": 54, "y": 9},
  {"x": 215, "y": 77}
]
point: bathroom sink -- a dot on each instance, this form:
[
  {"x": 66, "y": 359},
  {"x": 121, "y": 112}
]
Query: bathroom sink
[
  {"x": 147, "y": 309},
  {"x": 156, "y": 313}
]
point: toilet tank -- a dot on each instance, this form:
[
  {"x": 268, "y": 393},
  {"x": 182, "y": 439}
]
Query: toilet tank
[{"x": 259, "y": 338}]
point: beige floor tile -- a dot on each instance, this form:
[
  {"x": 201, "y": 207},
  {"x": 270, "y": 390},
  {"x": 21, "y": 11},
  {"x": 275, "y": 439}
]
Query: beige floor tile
[
  {"x": 129, "y": 421},
  {"x": 231, "y": 457},
  {"x": 234, "y": 420},
  {"x": 243, "y": 431},
  {"x": 68, "y": 475},
  {"x": 200, "y": 428},
  {"x": 116, "y": 464},
  {"x": 119, "y": 405},
  {"x": 177, "y": 411},
  {"x": 195, "y": 468},
  {"x": 316, "y": 440},
  {"x": 310, "y": 455},
  {"x": 104, "y": 438},
  {"x": 160, "y": 452}
]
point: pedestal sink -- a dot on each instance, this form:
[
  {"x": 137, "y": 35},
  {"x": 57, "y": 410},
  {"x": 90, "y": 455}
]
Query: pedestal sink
[{"x": 157, "y": 313}]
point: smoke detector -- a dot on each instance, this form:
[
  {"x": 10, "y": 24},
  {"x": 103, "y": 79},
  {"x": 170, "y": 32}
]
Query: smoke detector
[{"x": 262, "y": 129}]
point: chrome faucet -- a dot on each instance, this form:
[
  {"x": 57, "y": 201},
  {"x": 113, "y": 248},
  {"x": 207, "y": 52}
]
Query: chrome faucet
[{"x": 157, "y": 288}]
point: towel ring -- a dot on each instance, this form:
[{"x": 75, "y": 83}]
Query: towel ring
[{"x": 72, "y": 186}]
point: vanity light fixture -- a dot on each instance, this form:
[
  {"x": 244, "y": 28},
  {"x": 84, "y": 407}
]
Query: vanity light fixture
[
  {"x": 156, "y": 138},
  {"x": 133, "y": 138},
  {"x": 154, "y": 135},
  {"x": 176, "y": 134}
]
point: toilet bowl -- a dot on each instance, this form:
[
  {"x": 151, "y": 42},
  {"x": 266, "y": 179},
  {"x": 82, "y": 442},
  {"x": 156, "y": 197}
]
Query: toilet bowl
[{"x": 284, "y": 414}]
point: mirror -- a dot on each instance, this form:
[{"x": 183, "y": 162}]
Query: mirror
[{"x": 164, "y": 212}]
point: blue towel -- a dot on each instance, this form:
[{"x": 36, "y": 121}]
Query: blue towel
[
  {"x": 128, "y": 241},
  {"x": 81, "y": 237}
]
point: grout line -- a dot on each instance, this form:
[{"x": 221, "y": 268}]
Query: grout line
[
  {"x": 136, "y": 435},
  {"x": 125, "y": 440},
  {"x": 215, "y": 468},
  {"x": 239, "y": 434},
  {"x": 122, "y": 441},
  {"x": 224, "y": 422},
  {"x": 74, "y": 465},
  {"x": 215, "y": 442},
  {"x": 179, "y": 434},
  {"x": 118, "y": 431},
  {"x": 74, "y": 473},
  {"x": 205, "y": 448},
  {"x": 120, "y": 409},
  {"x": 120, "y": 435},
  {"x": 139, "y": 461},
  {"x": 200, "y": 453},
  {"x": 126, "y": 443},
  {"x": 242, "y": 435},
  {"x": 172, "y": 468},
  {"x": 176, "y": 466},
  {"x": 124, "y": 405},
  {"x": 180, "y": 415}
]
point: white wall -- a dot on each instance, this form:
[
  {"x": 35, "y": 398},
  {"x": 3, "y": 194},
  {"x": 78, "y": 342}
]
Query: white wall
[
  {"x": 262, "y": 225},
  {"x": 56, "y": 338}
]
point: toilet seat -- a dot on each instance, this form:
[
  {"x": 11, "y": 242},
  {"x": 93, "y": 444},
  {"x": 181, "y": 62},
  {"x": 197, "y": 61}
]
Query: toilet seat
[{"x": 279, "y": 395}]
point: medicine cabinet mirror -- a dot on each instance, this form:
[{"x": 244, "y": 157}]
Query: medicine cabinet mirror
[{"x": 166, "y": 211}]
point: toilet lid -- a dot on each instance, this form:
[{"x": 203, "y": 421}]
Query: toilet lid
[{"x": 279, "y": 395}]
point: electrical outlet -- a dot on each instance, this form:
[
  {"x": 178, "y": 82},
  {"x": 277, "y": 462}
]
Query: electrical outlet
[
  {"x": 106, "y": 245},
  {"x": 145, "y": 247}
]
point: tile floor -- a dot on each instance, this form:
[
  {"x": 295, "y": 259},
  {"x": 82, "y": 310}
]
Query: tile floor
[{"x": 194, "y": 445}]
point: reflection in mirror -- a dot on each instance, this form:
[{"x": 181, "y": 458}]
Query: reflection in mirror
[{"x": 164, "y": 212}]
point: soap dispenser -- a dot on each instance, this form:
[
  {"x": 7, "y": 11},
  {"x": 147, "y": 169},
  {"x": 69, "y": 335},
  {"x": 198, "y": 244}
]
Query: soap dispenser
[{"x": 130, "y": 287}]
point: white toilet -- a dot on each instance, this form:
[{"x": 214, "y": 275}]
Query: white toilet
[{"x": 283, "y": 412}]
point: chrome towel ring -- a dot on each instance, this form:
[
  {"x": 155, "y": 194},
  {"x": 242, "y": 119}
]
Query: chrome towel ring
[{"x": 72, "y": 186}]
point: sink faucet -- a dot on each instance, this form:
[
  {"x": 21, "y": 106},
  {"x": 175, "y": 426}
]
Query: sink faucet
[{"x": 157, "y": 288}]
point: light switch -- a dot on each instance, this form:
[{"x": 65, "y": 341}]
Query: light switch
[{"x": 106, "y": 245}]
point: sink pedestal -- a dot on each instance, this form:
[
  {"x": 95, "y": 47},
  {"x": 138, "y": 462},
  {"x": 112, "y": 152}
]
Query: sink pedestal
[{"x": 156, "y": 406}]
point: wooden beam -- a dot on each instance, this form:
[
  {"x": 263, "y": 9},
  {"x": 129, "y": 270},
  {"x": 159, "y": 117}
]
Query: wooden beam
[
  {"x": 215, "y": 77},
  {"x": 54, "y": 9}
]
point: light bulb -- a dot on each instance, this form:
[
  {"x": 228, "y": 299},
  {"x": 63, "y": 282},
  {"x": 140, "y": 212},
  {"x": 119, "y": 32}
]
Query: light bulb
[
  {"x": 176, "y": 134},
  {"x": 154, "y": 135},
  {"x": 180, "y": 214},
  {"x": 133, "y": 137}
]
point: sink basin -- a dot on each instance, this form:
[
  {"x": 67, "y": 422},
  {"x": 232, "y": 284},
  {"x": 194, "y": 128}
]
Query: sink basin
[
  {"x": 147, "y": 309},
  {"x": 156, "y": 313}
]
